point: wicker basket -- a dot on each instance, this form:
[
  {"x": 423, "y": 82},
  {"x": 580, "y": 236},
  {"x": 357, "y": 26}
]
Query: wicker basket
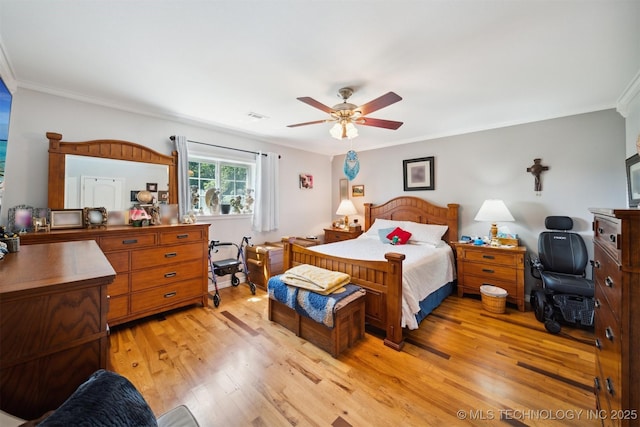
[
  {"x": 13, "y": 243},
  {"x": 494, "y": 299}
]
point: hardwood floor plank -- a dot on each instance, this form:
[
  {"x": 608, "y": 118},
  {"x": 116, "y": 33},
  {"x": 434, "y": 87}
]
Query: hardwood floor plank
[{"x": 234, "y": 367}]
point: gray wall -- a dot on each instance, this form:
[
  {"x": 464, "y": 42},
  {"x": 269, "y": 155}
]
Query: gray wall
[
  {"x": 585, "y": 154},
  {"x": 303, "y": 212}
]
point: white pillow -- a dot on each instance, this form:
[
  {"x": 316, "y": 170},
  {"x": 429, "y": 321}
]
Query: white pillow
[
  {"x": 425, "y": 233},
  {"x": 380, "y": 223}
]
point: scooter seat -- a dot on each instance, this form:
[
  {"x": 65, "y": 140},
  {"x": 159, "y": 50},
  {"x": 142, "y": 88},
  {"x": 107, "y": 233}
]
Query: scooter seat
[{"x": 567, "y": 284}]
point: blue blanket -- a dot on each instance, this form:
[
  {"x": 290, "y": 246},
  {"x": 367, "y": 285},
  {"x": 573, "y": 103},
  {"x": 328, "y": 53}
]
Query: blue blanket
[
  {"x": 320, "y": 308},
  {"x": 106, "y": 399}
]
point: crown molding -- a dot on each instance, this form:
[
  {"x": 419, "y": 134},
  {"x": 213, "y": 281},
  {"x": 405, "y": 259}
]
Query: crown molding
[{"x": 631, "y": 91}]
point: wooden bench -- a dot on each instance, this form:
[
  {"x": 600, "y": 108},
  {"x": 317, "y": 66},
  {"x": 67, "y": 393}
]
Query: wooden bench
[{"x": 347, "y": 330}]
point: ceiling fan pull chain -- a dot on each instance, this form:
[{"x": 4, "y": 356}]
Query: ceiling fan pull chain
[{"x": 351, "y": 165}]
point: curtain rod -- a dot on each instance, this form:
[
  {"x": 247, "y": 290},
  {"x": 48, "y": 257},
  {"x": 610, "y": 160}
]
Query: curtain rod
[{"x": 173, "y": 138}]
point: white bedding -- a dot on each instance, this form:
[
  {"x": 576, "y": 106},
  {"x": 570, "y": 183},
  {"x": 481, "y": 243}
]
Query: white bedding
[{"x": 425, "y": 269}]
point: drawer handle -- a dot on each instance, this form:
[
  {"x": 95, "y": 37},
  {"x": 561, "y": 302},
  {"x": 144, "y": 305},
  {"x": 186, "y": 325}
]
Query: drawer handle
[
  {"x": 487, "y": 270},
  {"x": 600, "y": 230},
  {"x": 130, "y": 241},
  {"x": 598, "y": 344},
  {"x": 596, "y": 303},
  {"x": 171, "y": 255},
  {"x": 608, "y": 281},
  {"x": 596, "y": 264},
  {"x": 610, "y": 386},
  {"x": 612, "y": 238},
  {"x": 172, "y": 274},
  {"x": 609, "y": 334},
  {"x": 596, "y": 384},
  {"x": 170, "y": 294},
  {"x": 488, "y": 257},
  {"x": 182, "y": 236}
]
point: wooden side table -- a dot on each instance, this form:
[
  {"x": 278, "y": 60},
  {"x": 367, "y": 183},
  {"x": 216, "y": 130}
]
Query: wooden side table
[
  {"x": 339, "y": 234},
  {"x": 491, "y": 265}
]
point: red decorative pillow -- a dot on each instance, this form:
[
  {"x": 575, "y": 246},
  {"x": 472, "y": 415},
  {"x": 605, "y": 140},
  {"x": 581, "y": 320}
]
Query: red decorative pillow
[{"x": 402, "y": 235}]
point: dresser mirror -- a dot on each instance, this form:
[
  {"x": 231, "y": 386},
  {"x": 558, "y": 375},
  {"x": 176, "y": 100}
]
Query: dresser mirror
[{"x": 106, "y": 173}]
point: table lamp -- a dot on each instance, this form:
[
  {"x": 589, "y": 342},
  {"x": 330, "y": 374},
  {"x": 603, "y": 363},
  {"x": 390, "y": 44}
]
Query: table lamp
[
  {"x": 346, "y": 208},
  {"x": 494, "y": 211}
]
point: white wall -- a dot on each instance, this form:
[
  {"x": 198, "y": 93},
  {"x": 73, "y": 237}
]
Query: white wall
[
  {"x": 303, "y": 212},
  {"x": 585, "y": 154},
  {"x": 633, "y": 121}
]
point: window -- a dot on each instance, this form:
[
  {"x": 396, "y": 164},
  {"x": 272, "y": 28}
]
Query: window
[{"x": 228, "y": 180}]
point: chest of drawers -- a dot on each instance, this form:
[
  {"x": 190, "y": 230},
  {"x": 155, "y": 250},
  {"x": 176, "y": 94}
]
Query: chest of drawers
[
  {"x": 53, "y": 324},
  {"x": 488, "y": 265},
  {"x": 617, "y": 319},
  {"x": 157, "y": 268}
]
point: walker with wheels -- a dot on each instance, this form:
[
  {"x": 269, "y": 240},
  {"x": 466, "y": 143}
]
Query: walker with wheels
[{"x": 229, "y": 266}]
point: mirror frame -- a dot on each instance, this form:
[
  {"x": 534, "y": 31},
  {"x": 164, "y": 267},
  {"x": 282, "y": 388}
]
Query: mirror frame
[{"x": 106, "y": 149}]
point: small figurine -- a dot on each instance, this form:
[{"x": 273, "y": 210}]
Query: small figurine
[{"x": 248, "y": 200}]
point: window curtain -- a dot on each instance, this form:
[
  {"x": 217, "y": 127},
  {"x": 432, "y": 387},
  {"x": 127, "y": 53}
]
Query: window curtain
[
  {"x": 184, "y": 193},
  {"x": 265, "y": 212}
]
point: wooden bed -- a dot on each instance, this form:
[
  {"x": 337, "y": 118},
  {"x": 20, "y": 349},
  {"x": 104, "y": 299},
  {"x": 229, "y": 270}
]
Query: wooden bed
[{"x": 381, "y": 279}]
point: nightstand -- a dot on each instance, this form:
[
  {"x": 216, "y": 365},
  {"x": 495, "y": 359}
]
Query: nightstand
[
  {"x": 491, "y": 265},
  {"x": 338, "y": 234}
]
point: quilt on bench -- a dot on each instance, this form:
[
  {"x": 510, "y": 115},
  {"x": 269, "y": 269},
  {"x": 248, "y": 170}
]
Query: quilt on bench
[{"x": 320, "y": 308}]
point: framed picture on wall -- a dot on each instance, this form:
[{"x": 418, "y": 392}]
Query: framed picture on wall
[
  {"x": 306, "y": 181},
  {"x": 357, "y": 190},
  {"x": 418, "y": 174},
  {"x": 633, "y": 180}
]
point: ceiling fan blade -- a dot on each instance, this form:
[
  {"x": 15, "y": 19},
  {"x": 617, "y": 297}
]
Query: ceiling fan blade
[
  {"x": 378, "y": 103},
  {"x": 379, "y": 123},
  {"x": 307, "y": 123},
  {"x": 316, "y": 104}
]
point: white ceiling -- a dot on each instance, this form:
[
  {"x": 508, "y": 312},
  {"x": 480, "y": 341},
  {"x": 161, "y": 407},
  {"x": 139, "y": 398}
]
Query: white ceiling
[{"x": 460, "y": 65}]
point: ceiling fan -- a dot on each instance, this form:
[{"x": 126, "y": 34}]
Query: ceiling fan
[{"x": 345, "y": 114}]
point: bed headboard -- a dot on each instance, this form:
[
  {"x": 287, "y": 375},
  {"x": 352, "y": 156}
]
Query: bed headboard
[{"x": 409, "y": 208}]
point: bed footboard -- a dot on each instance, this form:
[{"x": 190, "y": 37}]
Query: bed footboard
[{"x": 381, "y": 279}]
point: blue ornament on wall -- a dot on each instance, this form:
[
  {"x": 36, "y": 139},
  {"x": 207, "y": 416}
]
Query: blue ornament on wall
[{"x": 351, "y": 165}]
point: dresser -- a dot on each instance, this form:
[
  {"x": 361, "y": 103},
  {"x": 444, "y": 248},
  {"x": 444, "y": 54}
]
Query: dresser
[
  {"x": 53, "y": 317},
  {"x": 617, "y": 314},
  {"x": 158, "y": 268},
  {"x": 491, "y": 265},
  {"x": 338, "y": 234}
]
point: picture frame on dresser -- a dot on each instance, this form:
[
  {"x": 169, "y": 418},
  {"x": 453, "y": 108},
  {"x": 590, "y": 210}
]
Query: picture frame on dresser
[
  {"x": 67, "y": 218},
  {"x": 633, "y": 180},
  {"x": 94, "y": 217},
  {"x": 20, "y": 218}
]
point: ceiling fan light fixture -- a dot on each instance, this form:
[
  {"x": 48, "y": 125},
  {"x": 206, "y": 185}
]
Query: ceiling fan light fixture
[
  {"x": 351, "y": 131},
  {"x": 336, "y": 131},
  {"x": 342, "y": 130}
]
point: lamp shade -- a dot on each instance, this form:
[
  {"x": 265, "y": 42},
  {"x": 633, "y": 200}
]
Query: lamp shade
[
  {"x": 493, "y": 210},
  {"x": 343, "y": 129},
  {"x": 346, "y": 208}
]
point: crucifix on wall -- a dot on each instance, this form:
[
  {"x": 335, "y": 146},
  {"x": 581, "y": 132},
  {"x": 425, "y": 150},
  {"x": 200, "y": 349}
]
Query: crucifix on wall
[{"x": 536, "y": 169}]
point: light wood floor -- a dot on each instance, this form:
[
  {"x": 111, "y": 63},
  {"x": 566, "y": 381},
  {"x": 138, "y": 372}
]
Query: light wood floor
[{"x": 232, "y": 367}]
